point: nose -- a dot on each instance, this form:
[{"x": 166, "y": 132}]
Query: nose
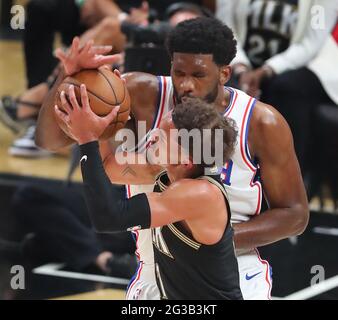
[{"x": 187, "y": 86}]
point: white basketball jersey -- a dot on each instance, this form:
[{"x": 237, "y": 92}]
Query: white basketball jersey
[
  {"x": 144, "y": 248},
  {"x": 240, "y": 175}
]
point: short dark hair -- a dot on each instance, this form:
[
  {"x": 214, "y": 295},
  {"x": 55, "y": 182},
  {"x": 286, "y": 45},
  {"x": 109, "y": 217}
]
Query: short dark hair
[
  {"x": 203, "y": 36},
  {"x": 195, "y": 113}
]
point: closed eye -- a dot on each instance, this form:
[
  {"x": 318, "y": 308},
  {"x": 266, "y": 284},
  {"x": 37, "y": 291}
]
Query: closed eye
[
  {"x": 179, "y": 73},
  {"x": 199, "y": 75}
]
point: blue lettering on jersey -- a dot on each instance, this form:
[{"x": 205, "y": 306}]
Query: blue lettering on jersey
[{"x": 226, "y": 173}]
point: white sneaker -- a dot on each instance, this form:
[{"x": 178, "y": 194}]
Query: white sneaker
[{"x": 25, "y": 146}]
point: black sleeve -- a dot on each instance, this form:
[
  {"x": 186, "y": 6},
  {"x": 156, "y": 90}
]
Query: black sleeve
[{"x": 109, "y": 209}]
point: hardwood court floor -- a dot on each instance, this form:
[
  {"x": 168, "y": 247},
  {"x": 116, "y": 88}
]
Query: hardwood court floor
[
  {"x": 105, "y": 294},
  {"x": 12, "y": 82}
]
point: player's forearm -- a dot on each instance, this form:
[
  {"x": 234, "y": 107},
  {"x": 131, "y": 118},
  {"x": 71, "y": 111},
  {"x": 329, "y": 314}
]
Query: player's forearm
[
  {"x": 48, "y": 133},
  {"x": 271, "y": 226}
]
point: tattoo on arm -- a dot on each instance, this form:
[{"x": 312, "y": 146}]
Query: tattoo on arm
[{"x": 129, "y": 170}]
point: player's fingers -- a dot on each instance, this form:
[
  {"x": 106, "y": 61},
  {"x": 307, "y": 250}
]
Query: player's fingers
[
  {"x": 87, "y": 47},
  {"x": 84, "y": 98},
  {"x": 101, "y": 49},
  {"x": 112, "y": 115},
  {"x": 111, "y": 59},
  {"x": 60, "y": 54},
  {"x": 65, "y": 105},
  {"x": 63, "y": 116},
  {"x": 72, "y": 98},
  {"x": 75, "y": 46},
  {"x": 117, "y": 73}
]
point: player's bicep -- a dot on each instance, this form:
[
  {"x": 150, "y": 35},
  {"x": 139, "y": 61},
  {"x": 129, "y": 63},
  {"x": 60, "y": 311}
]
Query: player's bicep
[
  {"x": 181, "y": 201},
  {"x": 280, "y": 172},
  {"x": 162, "y": 210}
]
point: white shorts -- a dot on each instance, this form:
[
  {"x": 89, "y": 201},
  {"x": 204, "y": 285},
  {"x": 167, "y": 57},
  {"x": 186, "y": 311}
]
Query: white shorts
[
  {"x": 143, "y": 284},
  {"x": 255, "y": 277}
]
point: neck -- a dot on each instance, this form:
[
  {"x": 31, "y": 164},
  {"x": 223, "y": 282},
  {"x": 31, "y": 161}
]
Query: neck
[
  {"x": 222, "y": 100},
  {"x": 179, "y": 172}
]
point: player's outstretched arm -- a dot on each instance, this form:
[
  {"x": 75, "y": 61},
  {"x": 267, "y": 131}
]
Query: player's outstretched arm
[
  {"x": 271, "y": 140},
  {"x": 48, "y": 134}
]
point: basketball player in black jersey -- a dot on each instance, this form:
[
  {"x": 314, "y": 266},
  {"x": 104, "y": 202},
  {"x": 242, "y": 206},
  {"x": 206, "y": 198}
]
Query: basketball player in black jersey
[{"x": 192, "y": 234}]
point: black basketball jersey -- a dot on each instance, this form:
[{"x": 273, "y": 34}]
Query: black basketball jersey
[
  {"x": 186, "y": 269},
  {"x": 270, "y": 27}
]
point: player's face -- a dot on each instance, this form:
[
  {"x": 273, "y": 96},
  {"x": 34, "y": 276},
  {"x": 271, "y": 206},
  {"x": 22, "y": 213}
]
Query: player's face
[{"x": 195, "y": 75}]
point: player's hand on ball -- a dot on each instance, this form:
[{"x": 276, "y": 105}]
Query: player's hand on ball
[
  {"x": 82, "y": 123},
  {"x": 87, "y": 57}
]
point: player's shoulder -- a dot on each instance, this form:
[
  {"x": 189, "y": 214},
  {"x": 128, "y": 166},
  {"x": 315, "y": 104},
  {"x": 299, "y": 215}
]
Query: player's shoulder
[
  {"x": 266, "y": 118},
  {"x": 265, "y": 114},
  {"x": 198, "y": 189},
  {"x": 141, "y": 81},
  {"x": 143, "y": 89},
  {"x": 269, "y": 132}
]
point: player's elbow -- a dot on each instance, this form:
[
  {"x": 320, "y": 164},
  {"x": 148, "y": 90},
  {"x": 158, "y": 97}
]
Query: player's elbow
[
  {"x": 40, "y": 141},
  {"x": 301, "y": 219}
]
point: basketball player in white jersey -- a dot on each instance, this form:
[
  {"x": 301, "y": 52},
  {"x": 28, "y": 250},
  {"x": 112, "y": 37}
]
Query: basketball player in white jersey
[{"x": 264, "y": 160}]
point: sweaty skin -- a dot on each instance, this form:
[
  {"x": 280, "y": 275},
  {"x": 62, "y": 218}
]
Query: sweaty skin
[{"x": 270, "y": 141}]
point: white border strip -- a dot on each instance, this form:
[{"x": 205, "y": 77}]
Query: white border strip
[
  {"x": 314, "y": 290},
  {"x": 53, "y": 269}
]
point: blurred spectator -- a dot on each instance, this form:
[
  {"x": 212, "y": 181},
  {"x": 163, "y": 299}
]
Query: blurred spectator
[
  {"x": 71, "y": 18},
  {"x": 20, "y": 114},
  {"x": 45, "y": 18},
  {"x": 277, "y": 40}
]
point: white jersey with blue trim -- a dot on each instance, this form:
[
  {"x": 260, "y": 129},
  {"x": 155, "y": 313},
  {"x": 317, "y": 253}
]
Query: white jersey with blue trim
[{"x": 240, "y": 175}]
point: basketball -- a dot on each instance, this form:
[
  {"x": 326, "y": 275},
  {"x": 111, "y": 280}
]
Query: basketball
[{"x": 105, "y": 91}]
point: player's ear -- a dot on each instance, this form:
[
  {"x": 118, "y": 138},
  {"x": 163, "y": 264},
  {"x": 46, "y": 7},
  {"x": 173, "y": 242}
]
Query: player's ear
[
  {"x": 225, "y": 74},
  {"x": 188, "y": 164}
]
